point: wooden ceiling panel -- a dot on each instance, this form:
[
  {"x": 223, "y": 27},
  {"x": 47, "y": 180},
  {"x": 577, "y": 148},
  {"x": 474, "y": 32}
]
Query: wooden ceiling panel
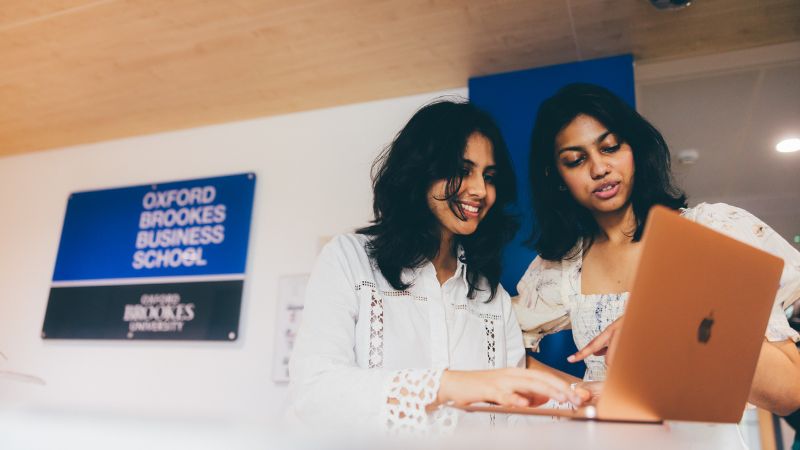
[
  {"x": 15, "y": 13},
  {"x": 85, "y": 71}
]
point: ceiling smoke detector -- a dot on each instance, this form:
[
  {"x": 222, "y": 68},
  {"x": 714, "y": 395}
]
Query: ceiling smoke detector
[
  {"x": 670, "y": 4},
  {"x": 688, "y": 157}
]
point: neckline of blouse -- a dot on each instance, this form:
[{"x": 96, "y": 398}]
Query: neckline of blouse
[
  {"x": 576, "y": 268},
  {"x": 412, "y": 273}
]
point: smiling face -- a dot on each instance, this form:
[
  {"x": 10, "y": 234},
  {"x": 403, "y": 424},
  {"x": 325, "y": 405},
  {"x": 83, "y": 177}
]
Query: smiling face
[
  {"x": 596, "y": 167},
  {"x": 476, "y": 195}
]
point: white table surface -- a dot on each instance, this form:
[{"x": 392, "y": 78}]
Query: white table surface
[
  {"x": 573, "y": 434},
  {"x": 24, "y": 430}
]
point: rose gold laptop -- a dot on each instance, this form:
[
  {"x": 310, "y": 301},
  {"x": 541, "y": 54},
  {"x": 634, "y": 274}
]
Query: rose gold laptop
[{"x": 693, "y": 329}]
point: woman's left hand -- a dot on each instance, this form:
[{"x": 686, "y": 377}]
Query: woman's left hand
[{"x": 601, "y": 345}]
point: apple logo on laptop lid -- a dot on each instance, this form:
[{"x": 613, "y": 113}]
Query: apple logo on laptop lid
[{"x": 704, "y": 330}]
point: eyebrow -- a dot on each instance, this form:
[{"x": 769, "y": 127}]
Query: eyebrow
[
  {"x": 575, "y": 148},
  {"x": 472, "y": 164}
]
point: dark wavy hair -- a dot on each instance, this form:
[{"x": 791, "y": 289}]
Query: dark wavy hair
[
  {"x": 561, "y": 220},
  {"x": 405, "y": 232}
]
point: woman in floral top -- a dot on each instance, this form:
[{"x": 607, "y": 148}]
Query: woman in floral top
[{"x": 596, "y": 168}]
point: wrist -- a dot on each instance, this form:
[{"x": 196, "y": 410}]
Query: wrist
[{"x": 443, "y": 394}]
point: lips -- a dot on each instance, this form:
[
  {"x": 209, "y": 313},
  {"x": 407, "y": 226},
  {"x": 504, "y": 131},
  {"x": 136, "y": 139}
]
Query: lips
[
  {"x": 606, "y": 190},
  {"x": 471, "y": 209}
]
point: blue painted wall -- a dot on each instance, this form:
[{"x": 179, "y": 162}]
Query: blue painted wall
[{"x": 513, "y": 99}]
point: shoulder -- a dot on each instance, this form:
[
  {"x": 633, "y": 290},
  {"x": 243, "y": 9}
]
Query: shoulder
[
  {"x": 542, "y": 276},
  {"x": 716, "y": 212},
  {"x": 541, "y": 267},
  {"x": 348, "y": 242},
  {"x": 728, "y": 219},
  {"x": 540, "y": 299},
  {"x": 347, "y": 250}
]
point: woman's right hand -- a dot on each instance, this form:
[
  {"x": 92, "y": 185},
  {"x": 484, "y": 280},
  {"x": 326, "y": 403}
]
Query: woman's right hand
[
  {"x": 505, "y": 387},
  {"x": 601, "y": 345},
  {"x": 595, "y": 388}
]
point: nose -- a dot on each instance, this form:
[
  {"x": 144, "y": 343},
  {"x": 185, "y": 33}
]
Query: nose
[
  {"x": 475, "y": 186},
  {"x": 598, "y": 168}
]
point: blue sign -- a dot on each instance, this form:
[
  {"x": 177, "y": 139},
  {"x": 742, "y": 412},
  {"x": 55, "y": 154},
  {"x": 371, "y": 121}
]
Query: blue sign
[
  {"x": 197, "y": 227},
  {"x": 161, "y": 261}
]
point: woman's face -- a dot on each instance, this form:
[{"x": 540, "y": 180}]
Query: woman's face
[
  {"x": 477, "y": 193},
  {"x": 595, "y": 166}
]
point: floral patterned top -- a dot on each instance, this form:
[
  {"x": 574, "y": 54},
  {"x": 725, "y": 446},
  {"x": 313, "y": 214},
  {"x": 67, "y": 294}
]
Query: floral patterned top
[{"x": 550, "y": 298}]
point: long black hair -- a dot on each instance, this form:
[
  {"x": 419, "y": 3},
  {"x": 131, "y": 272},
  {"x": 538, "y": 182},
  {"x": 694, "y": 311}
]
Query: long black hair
[
  {"x": 429, "y": 148},
  {"x": 561, "y": 220}
]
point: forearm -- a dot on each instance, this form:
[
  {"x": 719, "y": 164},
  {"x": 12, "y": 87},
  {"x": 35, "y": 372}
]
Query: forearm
[
  {"x": 368, "y": 399},
  {"x": 535, "y": 364},
  {"x": 776, "y": 384}
]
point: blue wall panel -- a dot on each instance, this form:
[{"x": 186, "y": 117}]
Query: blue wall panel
[{"x": 513, "y": 99}]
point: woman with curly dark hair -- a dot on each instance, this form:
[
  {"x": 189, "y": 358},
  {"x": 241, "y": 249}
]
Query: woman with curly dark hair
[
  {"x": 596, "y": 169},
  {"x": 407, "y": 315}
]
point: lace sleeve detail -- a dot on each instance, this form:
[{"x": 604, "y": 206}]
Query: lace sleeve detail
[{"x": 408, "y": 393}]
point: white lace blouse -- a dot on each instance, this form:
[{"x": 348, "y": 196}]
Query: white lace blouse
[
  {"x": 368, "y": 355},
  {"x": 550, "y": 298}
]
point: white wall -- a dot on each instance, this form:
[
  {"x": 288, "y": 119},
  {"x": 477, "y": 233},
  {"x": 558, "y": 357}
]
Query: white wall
[{"x": 313, "y": 181}]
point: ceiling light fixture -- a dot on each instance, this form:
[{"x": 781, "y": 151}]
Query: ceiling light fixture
[{"x": 788, "y": 145}]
